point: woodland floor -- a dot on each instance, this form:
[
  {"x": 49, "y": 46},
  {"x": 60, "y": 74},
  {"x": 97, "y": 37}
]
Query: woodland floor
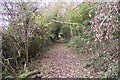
[{"x": 61, "y": 62}]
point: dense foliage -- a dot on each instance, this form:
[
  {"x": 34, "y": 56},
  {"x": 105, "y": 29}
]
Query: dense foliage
[
  {"x": 91, "y": 28},
  {"x": 99, "y": 32},
  {"x": 84, "y": 28},
  {"x": 27, "y": 36}
]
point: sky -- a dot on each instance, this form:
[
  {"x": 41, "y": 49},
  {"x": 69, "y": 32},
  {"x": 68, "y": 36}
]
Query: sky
[
  {"x": 68, "y": 1},
  {"x": 42, "y": 0},
  {"x": 60, "y": 0}
]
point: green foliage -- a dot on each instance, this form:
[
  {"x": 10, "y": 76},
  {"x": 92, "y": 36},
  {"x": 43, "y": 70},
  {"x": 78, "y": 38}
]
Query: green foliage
[
  {"x": 94, "y": 33},
  {"x": 65, "y": 32},
  {"x": 84, "y": 14},
  {"x": 112, "y": 71},
  {"x": 26, "y": 38},
  {"x": 83, "y": 29},
  {"x": 79, "y": 44}
]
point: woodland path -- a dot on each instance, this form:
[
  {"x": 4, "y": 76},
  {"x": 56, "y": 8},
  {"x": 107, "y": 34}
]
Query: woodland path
[{"x": 60, "y": 62}]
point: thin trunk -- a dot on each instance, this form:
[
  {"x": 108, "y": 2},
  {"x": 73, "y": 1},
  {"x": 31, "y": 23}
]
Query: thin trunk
[
  {"x": 26, "y": 44},
  {"x": 71, "y": 31}
]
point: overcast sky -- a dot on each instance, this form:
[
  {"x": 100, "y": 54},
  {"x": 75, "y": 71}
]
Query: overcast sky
[{"x": 43, "y": 0}]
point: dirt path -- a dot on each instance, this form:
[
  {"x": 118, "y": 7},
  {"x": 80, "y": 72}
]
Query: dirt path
[{"x": 60, "y": 62}]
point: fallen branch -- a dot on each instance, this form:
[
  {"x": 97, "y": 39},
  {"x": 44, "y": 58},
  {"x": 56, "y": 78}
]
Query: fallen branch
[
  {"x": 63, "y": 22},
  {"x": 26, "y": 75}
]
